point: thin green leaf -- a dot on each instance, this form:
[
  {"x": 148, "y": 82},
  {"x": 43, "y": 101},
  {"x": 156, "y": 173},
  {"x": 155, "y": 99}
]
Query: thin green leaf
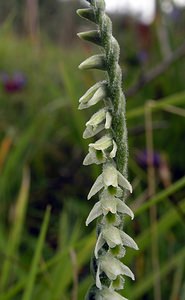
[
  {"x": 17, "y": 226},
  {"x": 36, "y": 258}
]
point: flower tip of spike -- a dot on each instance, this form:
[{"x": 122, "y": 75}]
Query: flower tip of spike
[
  {"x": 92, "y": 36},
  {"x": 86, "y": 13},
  {"x": 81, "y": 66},
  {"x": 94, "y": 62}
]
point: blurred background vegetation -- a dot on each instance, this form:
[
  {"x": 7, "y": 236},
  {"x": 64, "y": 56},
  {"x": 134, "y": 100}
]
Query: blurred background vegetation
[{"x": 45, "y": 247}]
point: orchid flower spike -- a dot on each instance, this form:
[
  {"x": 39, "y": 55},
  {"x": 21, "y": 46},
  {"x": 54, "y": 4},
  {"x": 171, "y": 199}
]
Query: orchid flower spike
[{"x": 110, "y": 149}]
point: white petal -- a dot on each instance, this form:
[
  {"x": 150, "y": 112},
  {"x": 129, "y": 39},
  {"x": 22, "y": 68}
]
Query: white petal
[
  {"x": 89, "y": 94},
  {"x": 126, "y": 271},
  {"x": 108, "y": 120},
  {"x": 90, "y": 131},
  {"x": 98, "y": 282},
  {"x": 99, "y": 95},
  {"x": 124, "y": 209},
  {"x": 124, "y": 182},
  {"x": 128, "y": 241},
  {"x": 110, "y": 175},
  {"x": 97, "y": 186},
  {"x": 111, "y": 266},
  {"x": 114, "y": 150},
  {"x": 89, "y": 159},
  {"x": 109, "y": 204},
  {"x": 97, "y": 118},
  {"x": 102, "y": 144},
  {"x": 99, "y": 244},
  {"x": 112, "y": 236},
  {"x": 95, "y": 213}
]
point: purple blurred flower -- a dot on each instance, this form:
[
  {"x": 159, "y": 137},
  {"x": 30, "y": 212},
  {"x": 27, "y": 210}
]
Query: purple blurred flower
[
  {"x": 176, "y": 14},
  {"x": 142, "y": 159},
  {"x": 14, "y": 83},
  {"x": 142, "y": 56}
]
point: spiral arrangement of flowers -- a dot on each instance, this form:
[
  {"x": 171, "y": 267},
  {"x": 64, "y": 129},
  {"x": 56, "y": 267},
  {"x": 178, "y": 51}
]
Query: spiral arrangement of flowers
[{"x": 111, "y": 151}]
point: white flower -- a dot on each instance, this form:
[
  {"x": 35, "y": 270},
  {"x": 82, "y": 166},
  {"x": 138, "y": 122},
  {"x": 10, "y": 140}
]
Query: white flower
[
  {"x": 108, "y": 179},
  {"x": 113, "y": 237},
  {"x": 112, "y": 267},
  {"x": 98, "y": 151},
  {"x": 94, "y": 157},
  {"x": 94, "y": 125},
  {"x": 95, "y": 94},
  {"x": 98, "y": 96},
  {"x": 91, "y": 131},
  {"x": 90, "y": 92},
  {"x": 106, "y": 205}
]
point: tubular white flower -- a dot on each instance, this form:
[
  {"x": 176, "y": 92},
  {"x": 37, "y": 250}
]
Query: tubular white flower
[
  {"x": 90, "y": 92},
  {"x": 97, "y": 118},
  {"x": 95, "y": 125},
  {"x": 95, "y": 94},
  {"x": 112, "y": 177},
  {"x": 91, "y": 131},
  {"x": 102, "y": 144},
  {"x": 98, "y": 153},
  {"x": 106, "y": 205},
  {"x": 112, "y": 267},
  {"x": 94, "y": 157},
  {"x": 98, "y": 96},
  {"x": 114, "y": 237}
]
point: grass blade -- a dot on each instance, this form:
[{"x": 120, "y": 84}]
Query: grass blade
[
  {"x": 170, "y": 100},
  {"x": 35, "y": 262},
  {"x": 162, "y": 195},
  {"x": 17, "y": 226},
  {"x": 141, "y": 287}
]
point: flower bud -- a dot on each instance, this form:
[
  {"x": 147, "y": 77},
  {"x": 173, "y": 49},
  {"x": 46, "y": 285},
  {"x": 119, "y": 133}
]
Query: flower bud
[
  {"x": 87, "y": 13},
  {"x": 94, "y": 62},
  {"x": 92, "y": 36}
]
